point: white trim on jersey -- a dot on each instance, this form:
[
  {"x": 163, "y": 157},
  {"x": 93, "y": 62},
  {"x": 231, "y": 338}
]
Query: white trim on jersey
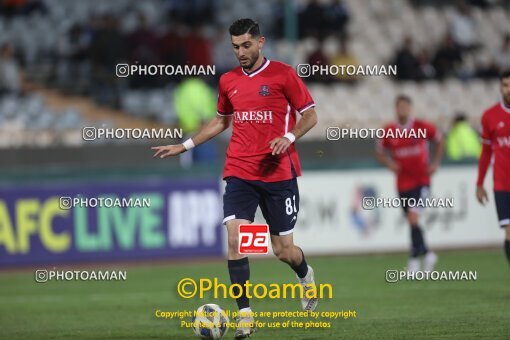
[
  {"x": 505, "y": 221},
  {"x": 227, "y": 114},
  {"x": 262, "y": 68},
  {"x": 503, "y": 106},
  {"x": 282, "y": 233},
  {"x": 228, "y": 218},
  {"x": 306, "y": 108}
]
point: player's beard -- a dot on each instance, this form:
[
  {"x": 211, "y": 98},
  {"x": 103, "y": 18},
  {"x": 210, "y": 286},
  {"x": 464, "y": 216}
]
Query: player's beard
[
  {"x": 252, "y": 61},
  {"x": 506, "y": 100}
]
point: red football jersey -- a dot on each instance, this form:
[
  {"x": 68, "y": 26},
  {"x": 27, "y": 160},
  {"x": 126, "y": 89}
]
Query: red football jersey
[
  {"x": 411, "y": 154},
  {"x": 496, "y": 133},
  {"x": 263, "y": 105}
]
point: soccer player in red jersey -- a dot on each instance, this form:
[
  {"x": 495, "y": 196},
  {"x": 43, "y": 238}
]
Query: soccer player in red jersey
[
  {"x": 410, "y": 162},
  {"x": 261, "y": 98},
  {"x": 496, "y": 140}
]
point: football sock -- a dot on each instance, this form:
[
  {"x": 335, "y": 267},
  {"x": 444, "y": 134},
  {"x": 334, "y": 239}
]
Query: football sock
[
  {"x": 507, "y": 249},
  {"x": 239, "y": 271},
  {"x": 302, "y": 268},
  {"x": 417, "y": 242}
]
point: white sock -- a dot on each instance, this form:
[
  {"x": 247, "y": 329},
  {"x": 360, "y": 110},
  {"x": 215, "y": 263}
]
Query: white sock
[{"x": 244, "y": 311}]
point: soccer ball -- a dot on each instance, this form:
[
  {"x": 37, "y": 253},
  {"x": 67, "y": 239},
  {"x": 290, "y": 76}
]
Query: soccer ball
[{"x": 210, "y": 322}]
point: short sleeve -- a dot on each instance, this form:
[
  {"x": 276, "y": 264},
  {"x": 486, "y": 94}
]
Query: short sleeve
[
  {"x": 224, "y": 106},
  {"x": 382, "y": 143},
  {"x": 296, "y": 92},
  {"x": 432, "y": 133}
]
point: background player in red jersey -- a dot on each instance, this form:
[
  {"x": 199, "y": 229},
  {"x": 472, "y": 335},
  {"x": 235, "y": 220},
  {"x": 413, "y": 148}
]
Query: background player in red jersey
[
  {"x": 496, "y": 140},
  {"x": 261, "y": 98},
  {"x": 410, "y": 162}
]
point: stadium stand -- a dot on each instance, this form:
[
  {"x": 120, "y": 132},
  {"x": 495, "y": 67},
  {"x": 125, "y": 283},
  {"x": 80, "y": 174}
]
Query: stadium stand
[{"x": 375, "y": 33}]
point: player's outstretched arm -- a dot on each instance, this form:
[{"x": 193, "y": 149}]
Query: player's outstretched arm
[
  {"x": 281, "y": 144},
  {"x": 213, "y": 128},
  {"x": 383, "y": 158},
  {"x": 483, "y": 165},
  {"x": 437, "y": 156}
]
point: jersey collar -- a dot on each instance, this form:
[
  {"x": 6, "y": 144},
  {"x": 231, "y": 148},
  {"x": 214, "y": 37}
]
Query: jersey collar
[
  {"x": 258, "y": 70},
  {"x": 503, "y": 106},
  {"x": 407, "y": 125}
]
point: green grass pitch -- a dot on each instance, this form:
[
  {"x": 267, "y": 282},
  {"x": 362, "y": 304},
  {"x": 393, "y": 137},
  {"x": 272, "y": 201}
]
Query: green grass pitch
[{"x": 403, "y": 310}]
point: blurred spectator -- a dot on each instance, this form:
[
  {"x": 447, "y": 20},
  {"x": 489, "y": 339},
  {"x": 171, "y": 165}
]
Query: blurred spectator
[
  {"x": 408, "y": 65},
  {"x": 10, "y": 76},
  {"x": 143, "y": 47},
  {"x": 447, "y": 58},
  {"x": 427, "y": 70},
  {"x": 491, "y": 70},
  {"x": 462, "y": 27},
  {"x": 317, "y": 57},
  {"x": 170, "y": 46},
  {"x": 312, "y": 20},
  {"x": 9, "y": 8},
  {"x": 462, "y": 142},
  {"x": 197, "y": 47},
  {"x": 143, "y": 43},
  {"x": 337, "y": 17},
  {"x": 191, "y": 12},
  {"x": 502, "y": 55},
  {"x": 73, "y": 51},
  {"x": 223, "y": 53},
  {"x": 195, "y": 105},
  {"x": 108, "y": 48},
  {"x": 344, "y": 57}
]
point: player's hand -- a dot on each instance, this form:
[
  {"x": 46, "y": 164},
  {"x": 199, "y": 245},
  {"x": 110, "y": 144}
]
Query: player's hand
[
  {"x": 168, "y": 150},
  {"x": 279, "y": 145},
  {"x": 432, "y": 168},
  {"x": 394, "y": 167},
  {"x": 481, "y": 195}
]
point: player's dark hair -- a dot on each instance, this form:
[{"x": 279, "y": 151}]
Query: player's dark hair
[
  {"x": 403, "y": 98},
  {"x": 245, "y": 25},
  {"x": 504, "y": 74}
]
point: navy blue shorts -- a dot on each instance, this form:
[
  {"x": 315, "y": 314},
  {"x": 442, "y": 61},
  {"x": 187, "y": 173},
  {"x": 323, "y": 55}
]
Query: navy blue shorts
[
  {"x": 502, "y": 199},
  {"x": 421, "y": 191},
  {"x": 278, "y": 201}
]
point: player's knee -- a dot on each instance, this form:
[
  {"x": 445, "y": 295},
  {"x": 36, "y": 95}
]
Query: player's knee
[
  {"x": 283, "y": 254},
  {"x": 412, "y": 218},
  {"x": 233, "y": 243}
]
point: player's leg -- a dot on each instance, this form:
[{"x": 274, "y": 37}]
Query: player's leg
[
  {"x": 416, "y": 234},
  {"x": 279, "y": 204},
  {"x": 284, "y": 248},
  {"x": 418, "y": 244},
  {"x": 239, "y": 271},
  {"x": 507, "y": 242},
  {"x": 239, "y": 205},
  {"x": 502, "y": 199}
]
